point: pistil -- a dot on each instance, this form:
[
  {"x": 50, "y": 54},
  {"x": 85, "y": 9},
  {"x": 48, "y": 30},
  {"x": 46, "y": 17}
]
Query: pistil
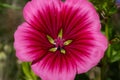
[{"x": 59, "y": 43}]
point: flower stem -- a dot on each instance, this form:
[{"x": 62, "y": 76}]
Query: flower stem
[
  {"x": 104, "y": 68},
  {"x": 104, "y": 63}
]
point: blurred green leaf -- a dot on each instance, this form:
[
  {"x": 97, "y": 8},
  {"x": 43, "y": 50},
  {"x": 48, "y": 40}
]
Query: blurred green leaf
[
  {"x": 29, "y": 75},
  {"x": 26, "y": 69},
  {"x": 2, "y": 55},
  {"x": 5, "y": 5},
  {"x": 116, "y": 56}
]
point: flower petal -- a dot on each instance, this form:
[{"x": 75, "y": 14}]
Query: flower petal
[
  {"x": 87, "y": 51},
  {"x": 55, "y": 67},
  {"x": 79, "y": 15},
  {"x": 44, "y": 15},
  {"x": 30, "y": 44}
]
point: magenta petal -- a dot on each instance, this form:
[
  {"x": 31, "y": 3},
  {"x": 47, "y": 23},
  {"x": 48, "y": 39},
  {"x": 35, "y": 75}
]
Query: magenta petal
[
  {"x": 28, "y": 43},
  {"x": 79, "y": 15},
  {"x": 44, "y": 15},
  {"x": 87, "y": 50},
  {"x": 55, "y": 67}
]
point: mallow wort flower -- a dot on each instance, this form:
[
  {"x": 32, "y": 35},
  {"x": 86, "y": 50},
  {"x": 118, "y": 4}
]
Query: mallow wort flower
[
  {"x": 118, "y": 3},
  {"x": 60, "y": 38}
]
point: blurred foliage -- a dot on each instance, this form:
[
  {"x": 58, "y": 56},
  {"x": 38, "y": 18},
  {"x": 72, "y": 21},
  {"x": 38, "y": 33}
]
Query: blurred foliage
[
  {"x": 26, "y": 69},
  {"x": 3, "y": 5},
  {"x": 13, "y": 69}
]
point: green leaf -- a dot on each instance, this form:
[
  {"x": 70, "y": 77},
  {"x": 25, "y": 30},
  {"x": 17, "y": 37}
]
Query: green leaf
[
  {"x": 25, "y": 68},
  {"x": 112, "y": 10},
  {"x": 29, "y": 75},
  {"x": 115, "y": 57},
  {"x": 4, "y": 5}
]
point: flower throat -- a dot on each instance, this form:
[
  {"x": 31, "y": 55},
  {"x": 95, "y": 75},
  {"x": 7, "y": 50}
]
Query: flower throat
[{"x": 58, "y": 43}]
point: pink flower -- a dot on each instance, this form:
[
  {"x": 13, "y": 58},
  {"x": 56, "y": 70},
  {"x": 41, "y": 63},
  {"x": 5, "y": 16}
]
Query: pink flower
[{"x": 61, "y": 39}]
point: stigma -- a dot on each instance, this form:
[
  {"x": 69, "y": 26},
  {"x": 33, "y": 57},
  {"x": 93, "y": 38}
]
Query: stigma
[{"x": 58, "y": 43}]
